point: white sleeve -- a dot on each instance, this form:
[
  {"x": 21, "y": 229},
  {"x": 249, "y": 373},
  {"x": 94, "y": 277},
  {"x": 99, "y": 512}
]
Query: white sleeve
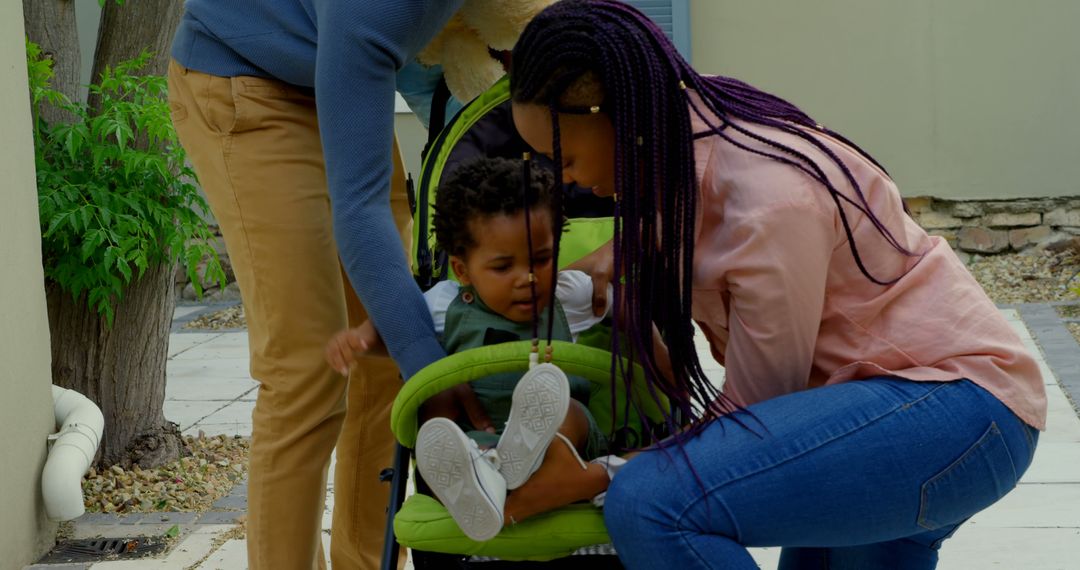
[
  {"x": 438, "y": 299},
  {"x": 574, "y": 290}
]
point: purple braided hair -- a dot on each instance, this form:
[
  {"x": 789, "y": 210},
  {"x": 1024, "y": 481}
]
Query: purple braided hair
[{"x": 645, "y": 85}]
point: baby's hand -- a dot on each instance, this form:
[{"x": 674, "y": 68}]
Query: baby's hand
[{"x": 342, "y": 350}]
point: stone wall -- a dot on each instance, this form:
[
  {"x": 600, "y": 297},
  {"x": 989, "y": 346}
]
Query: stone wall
[{"x": 988, "y": 227}]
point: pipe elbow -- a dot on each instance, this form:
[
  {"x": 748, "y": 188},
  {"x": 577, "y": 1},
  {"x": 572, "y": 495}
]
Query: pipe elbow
[{"x": 80, "y": 424}]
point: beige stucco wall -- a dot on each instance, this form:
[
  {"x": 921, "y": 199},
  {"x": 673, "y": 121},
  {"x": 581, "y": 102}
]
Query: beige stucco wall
[
  {"x": 960, "y": 99},
  {"x": 965, "y": 99},
  {"x": 25, "y": 399}
]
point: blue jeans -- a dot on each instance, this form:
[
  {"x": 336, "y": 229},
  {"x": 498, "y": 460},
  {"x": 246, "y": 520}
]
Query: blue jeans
[{"x": 862, "y": 475}]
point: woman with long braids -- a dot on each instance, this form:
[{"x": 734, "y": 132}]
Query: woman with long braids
[{"x": 875, "y": 398}]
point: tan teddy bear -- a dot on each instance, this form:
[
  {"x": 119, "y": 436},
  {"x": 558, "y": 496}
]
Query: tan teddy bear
[{"x": 462, "y": 46}]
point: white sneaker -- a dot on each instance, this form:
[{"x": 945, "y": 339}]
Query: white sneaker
[
  {"x": 465, "y": 479},
  {"x": 541, "y": 400}
]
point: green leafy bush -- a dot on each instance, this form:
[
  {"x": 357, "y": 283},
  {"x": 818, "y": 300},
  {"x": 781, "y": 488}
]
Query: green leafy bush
[{"x": 114, "y": 193}]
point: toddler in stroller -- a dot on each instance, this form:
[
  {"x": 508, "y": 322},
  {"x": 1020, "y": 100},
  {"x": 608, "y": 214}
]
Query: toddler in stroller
[{"x": 500, "y": 244}]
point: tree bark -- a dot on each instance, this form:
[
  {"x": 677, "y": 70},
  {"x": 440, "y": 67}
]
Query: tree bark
[
  {"x": 51, "y": 25},
  {"x": 121, "y": 368},
  {"x": 129, "y": 28}
]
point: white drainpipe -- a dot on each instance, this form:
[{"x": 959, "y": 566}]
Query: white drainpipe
[{"x": 80, "y": 426}]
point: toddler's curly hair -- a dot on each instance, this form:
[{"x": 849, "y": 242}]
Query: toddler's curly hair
[{"x": 485, "y": 187}]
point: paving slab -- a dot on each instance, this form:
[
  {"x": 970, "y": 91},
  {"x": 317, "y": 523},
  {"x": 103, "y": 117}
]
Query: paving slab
[
  {"x": 225, "y": 379},
  {"x": 224, "y": 345},
  {"x": 197, "y": 546},
  {"x": 1034, "y": 505},
  {"x": 234, "y": 412},
  {"x": 187, "y": 413},
  {"x": 222, "y": 517},
  {"x": 179, "y": 343},
  {"x": 182, "y": 312},
  {"x": 978, "y": 548},
  {"x": 231, "y": 555},
  {"x": 1058, "y": 346},
  {"x": 228, "y": 429}
]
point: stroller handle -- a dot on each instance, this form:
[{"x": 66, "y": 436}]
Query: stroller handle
[{"x": 593, "y": 364}]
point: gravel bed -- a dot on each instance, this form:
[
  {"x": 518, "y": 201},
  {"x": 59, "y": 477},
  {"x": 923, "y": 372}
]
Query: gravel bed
[
  {"x": 227, "y": 318},
  {"x": 192, "y": 483},
  {"x": 1035, "y": 277}
]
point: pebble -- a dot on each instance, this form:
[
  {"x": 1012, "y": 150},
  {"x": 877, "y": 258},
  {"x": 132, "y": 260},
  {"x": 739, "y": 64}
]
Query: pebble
[
  {"x": 190, "y": 483},
  {"x": 1035, "y": 277},
  {"x": 227, "y": 318}
]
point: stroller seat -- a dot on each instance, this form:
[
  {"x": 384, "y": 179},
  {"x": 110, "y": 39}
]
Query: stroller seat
[{"x": 423, "y": 524}]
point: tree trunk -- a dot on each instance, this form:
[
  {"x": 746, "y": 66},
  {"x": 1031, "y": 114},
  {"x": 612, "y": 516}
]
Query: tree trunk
[
  {"x": 121, "y": 368},
  {"x": 129, "y": 28},
  {"x": 51, "y": 25}
]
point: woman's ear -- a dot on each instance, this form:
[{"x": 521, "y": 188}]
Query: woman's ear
[{"x": 460, "y": 269}]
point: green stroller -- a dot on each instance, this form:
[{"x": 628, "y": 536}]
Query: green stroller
[{"x": 569, "y": 537}]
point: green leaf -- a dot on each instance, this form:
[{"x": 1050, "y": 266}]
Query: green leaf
[
  {"x": 109, "y": 203},
  {"x": 93, "y": 239},
  {"x": 141, "y": 263},
  {"x": 124, "y": 269},
  {"x": 173, "y": 532},
  {"x": 55, "y": 223},
  {"x": 110, "y": 257}
]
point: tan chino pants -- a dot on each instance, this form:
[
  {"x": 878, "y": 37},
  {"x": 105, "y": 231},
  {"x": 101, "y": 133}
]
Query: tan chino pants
[{"x": 255, "y": 146}]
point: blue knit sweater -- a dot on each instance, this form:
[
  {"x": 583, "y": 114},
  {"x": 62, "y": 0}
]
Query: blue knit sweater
[{"x": 349, "y": 52}]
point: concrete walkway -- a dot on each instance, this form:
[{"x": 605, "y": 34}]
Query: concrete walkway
[{"x": 1036, "y": 527}]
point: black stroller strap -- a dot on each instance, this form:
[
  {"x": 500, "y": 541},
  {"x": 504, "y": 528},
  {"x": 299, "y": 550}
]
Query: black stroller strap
[{"x": 437, "y": 121}]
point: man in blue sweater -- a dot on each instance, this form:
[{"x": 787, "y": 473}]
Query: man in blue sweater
[{"x": 286, "y": 110}]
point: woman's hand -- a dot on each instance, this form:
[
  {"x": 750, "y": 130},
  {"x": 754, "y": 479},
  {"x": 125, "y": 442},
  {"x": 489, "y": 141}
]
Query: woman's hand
[
  {"x": 600, "y": 265},
  {"x": 342, "y": 350}
]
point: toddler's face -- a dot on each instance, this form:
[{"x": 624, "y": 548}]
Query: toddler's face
[{"x": 498, "y": 266}]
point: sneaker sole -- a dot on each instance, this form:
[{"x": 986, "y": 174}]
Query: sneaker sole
[
  {"x": 540, "y": 403},
  {"x": 445, "y": 463}
]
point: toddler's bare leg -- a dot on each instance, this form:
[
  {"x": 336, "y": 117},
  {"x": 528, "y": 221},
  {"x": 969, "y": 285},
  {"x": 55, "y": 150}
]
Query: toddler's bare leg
[{"x": 560, "y": 480}]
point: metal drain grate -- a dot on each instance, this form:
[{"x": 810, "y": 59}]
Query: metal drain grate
[{"x": 97, "y": 549}]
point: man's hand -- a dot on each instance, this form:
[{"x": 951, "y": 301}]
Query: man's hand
[
  {"x": 600, "y": 265},
  {"x": 342, "y": 350}
]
